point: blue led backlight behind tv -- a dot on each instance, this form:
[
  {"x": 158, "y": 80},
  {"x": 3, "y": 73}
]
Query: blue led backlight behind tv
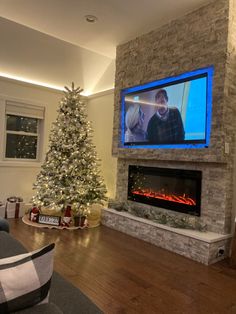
[{"x": 174, "y": 112}]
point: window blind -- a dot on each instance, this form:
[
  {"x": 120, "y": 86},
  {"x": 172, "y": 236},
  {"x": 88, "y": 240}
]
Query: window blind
[{"x": 25, "y": 110}]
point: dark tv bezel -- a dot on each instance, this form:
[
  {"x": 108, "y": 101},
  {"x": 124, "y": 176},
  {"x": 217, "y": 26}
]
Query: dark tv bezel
[{"x": 185, "y": 77}]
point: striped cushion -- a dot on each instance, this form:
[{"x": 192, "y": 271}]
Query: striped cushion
[{"x": 25, "y": 279}]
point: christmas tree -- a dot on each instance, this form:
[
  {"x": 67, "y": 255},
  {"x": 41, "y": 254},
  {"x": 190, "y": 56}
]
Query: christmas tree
[{"x": 70, "y": 174}]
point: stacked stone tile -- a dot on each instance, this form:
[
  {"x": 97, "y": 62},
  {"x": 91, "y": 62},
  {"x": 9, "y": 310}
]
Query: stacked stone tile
[{"x": 202, "y": 38}]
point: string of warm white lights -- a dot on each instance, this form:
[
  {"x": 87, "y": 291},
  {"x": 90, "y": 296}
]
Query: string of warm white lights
[{"x": 70, "y": 174}]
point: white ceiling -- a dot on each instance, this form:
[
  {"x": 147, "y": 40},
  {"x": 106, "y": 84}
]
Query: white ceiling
[{"x": 118, "y": 20}]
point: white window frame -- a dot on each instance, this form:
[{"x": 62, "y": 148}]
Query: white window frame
[{"x": 21, "y": 109}]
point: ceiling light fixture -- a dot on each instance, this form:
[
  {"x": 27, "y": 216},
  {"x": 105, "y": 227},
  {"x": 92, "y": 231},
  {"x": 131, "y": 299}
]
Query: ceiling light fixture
[{"x": 91, "y": 18}]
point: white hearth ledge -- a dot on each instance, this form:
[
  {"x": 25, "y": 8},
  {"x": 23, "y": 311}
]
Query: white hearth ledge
[
  {"x": 208, "y": 237},
  {"x": 203, "y": 247}
]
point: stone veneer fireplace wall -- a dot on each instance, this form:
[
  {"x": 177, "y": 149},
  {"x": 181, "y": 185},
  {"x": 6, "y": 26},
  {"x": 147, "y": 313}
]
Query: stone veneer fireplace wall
[{"x": 202, "y": 38}]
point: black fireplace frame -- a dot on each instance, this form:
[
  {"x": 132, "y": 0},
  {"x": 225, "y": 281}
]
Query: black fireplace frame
[{"x": 194, "y": 210}]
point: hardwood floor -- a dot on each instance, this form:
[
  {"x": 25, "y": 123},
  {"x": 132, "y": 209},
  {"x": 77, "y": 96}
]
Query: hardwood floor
[
  {"x": 233, "y": 251},
  {"x": 122, "y": 274}
]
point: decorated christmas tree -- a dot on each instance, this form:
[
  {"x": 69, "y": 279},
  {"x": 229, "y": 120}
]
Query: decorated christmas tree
[{"x": 70, "y": 173}]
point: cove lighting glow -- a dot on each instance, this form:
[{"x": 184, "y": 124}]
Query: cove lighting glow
[
  {"x": 38, "y": 83},
  {"x": 25, "y": 80}
]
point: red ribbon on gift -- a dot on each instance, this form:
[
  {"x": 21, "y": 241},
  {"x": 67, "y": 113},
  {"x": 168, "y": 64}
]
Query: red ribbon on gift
[{"x": 17, "y": 210}]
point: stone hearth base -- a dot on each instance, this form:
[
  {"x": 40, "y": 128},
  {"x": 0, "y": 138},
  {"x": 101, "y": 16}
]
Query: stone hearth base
[{"x": 199, "y": 246}]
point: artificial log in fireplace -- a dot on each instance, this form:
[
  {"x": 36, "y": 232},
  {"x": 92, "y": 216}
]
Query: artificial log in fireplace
[{"x": 173, "y": 189}]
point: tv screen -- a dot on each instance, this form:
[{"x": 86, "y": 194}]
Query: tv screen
[{"x": 174, "y": 112}]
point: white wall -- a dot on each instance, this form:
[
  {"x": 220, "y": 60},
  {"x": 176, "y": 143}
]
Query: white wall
[
  {"x": 39, "y": 57},
  {"x": 100, "y": 113},
  {"x": 17, "y": 178}
]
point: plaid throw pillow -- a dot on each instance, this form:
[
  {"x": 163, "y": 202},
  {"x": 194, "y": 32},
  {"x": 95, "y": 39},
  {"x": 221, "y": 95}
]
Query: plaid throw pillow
[{"x": 25, "y": 279}]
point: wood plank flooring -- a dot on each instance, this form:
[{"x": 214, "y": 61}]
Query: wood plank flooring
[
  {"x": 122, "y": 274},
  {"x": 233, "y": 251}
]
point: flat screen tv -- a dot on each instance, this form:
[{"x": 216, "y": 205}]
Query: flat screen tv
[{"x": 173, "y": 112}]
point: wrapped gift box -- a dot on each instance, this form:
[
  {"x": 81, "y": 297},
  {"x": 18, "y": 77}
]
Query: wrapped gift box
[
  {"x": 15, "y": 210},
  {"x": 2, "y": 210}
]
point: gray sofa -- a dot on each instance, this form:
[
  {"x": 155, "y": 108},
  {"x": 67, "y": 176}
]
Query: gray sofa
[{"x": 64, "y": 297}]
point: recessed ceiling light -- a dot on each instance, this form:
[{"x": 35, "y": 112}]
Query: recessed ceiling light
[{"x": 91, "y": 18}]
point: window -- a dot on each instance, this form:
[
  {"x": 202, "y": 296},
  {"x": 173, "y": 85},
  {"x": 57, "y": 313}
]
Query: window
[{"x": 23, "y": 130}]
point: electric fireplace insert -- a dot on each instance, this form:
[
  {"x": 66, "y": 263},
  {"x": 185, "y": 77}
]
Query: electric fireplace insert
[{"x": 173, "y": 189}]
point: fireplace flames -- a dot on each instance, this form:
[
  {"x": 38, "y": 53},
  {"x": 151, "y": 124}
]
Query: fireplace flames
[{"x": 167, "y": 197}]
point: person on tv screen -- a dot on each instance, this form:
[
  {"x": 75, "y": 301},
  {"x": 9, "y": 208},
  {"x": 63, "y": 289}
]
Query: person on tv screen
[
  {"x": 166, "y": 125},
  {"x": 134, "y": 119}
]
